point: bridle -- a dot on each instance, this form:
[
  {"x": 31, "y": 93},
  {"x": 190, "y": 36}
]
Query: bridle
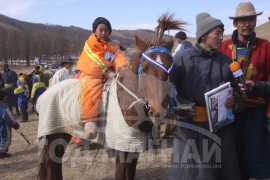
[
  {"x": 144, "y": 56},
  {"x": 158, "y": 49}
]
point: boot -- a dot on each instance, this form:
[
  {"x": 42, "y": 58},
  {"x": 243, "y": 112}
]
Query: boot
[
  {"x": 10, "y": 108},
  {"x": 24, "y": 116},
  {"x": 17, "y": 111},
  {"x": 90, "y": 130}
]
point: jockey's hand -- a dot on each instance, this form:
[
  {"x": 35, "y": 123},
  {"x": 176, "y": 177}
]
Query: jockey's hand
[
  {"x": 16, "y": 126},
  {"x": 110, "y": 74}
]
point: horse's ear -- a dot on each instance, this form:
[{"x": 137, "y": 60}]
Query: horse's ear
[{"x": 141, "y": 45}]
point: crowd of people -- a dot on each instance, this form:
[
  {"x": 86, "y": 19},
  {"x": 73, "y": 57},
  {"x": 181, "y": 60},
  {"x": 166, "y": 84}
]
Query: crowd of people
[
  {"x": 198, "y": 68},
  {"x": 18, "y": 89}
]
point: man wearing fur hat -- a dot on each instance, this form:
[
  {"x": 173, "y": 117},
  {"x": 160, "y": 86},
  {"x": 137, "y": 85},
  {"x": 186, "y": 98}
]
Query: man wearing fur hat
[
  {"x": 64, "y": 73},
  {"x": 197, "y": 71},
  {"x": 253, "y": 55}
]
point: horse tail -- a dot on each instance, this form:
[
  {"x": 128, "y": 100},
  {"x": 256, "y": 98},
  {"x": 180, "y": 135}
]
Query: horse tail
[
  {"x": 50, "y": 156},
  {"x": 167, "y": 22}
]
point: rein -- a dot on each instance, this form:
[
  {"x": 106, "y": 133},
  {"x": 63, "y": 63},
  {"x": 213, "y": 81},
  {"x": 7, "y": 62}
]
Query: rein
[{"x": 137, "y": 101}]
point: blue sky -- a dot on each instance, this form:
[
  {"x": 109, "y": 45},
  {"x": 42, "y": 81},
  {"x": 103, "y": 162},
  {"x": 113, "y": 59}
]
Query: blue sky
[{"x": 136, "y": 14}]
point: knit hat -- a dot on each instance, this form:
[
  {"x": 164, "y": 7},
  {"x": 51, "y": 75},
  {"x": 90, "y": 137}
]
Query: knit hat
[
  {"x": 245, "y": 9},
  {"x": 206, "y": 23},
  {"x": 181, "y": 35},
  {"x": 2, "y": 94},
  {"x": 101, "y": 20}
]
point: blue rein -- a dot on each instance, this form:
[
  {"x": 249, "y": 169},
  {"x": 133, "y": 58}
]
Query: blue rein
[{"x": 158, "y": 49}]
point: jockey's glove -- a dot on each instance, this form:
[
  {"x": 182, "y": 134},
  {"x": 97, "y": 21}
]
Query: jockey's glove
[
  {"x": 16, "y": 126},
  {"x": 110, "y": 74}
]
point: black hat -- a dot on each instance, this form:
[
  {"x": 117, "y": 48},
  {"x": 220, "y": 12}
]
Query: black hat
[
  {"x": 67, "y": 60},
  {"x": 181, "y": 35},
  {"x": 2, "y": 94},
  {"x": 101, "y": 20}
]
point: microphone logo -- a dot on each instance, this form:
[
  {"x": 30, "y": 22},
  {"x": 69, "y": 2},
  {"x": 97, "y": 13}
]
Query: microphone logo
[{"x": 237, "y": 73}]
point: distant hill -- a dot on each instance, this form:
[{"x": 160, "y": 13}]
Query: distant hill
[
  {"x": 24, "y": 40},
  {"x": 263, "y": 31}
]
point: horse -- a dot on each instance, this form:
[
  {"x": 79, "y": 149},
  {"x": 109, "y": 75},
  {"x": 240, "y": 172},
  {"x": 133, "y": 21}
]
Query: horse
[{"x": 142, "y": 95}]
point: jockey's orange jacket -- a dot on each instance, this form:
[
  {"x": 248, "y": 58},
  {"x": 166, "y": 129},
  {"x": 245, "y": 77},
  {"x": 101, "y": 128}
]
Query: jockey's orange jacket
[{"x": 93, "y": 67}]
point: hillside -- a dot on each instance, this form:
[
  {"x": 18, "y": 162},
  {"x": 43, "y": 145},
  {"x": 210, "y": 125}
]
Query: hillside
[
  {"x": 24, "y": 40},
  {"x": 263, "y": 31}
]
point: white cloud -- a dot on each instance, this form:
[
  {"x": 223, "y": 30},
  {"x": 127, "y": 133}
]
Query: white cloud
[{"x": 16, "y": 7}]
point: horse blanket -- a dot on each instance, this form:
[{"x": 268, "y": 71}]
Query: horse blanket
[{"x": 59, "y": 112}]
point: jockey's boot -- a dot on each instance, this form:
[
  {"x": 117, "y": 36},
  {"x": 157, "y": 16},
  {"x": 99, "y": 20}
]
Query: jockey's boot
[
  {"x": 24, "y": 116},
  {"x": 90, "y": 130},
  {"x": 17, "y": 111}
]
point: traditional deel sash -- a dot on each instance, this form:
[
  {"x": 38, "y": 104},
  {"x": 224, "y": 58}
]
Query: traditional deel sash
[
  {"x": 159, "y": 50},
  {"x": 94, "y": 57}
]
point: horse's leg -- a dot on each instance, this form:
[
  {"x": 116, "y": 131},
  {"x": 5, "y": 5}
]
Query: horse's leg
[
  {"x": 126, "y": 163},
  {"x": 52, "y": 152}
]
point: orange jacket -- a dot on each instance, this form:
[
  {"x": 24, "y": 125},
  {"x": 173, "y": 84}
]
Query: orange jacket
[
  {"x": 92, "y": 59},
  {"x": 93, "y": 65}
]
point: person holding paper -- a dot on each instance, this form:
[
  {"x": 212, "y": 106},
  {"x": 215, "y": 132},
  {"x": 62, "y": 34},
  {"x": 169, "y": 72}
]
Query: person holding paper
[
  {"x": 252, "y": 126},
  {"x": 197, "y": 71}
]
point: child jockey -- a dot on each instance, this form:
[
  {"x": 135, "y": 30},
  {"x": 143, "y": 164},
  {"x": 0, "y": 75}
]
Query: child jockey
[
  {"x": 22, "y": 91},
  {"x": 95, "y": 69},
  {"x": 38, "y": 88}
]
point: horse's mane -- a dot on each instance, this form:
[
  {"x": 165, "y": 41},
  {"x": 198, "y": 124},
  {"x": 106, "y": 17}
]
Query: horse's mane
[{"x": 166, "y": 22}]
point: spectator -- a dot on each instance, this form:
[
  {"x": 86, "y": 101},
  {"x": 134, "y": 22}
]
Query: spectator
[
  {"x": 64, "y": 73},
  {"x": 7, "y": 122},
  {"x": 9, "y": 80},
  {"x": 194, "y": 73},
  {"x": 182, "y": 41}
]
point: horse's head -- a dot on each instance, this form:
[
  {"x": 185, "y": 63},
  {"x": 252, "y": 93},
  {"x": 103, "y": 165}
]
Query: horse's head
[
  {"x": 154, "y": 66},
  {"x": 146, "y": 79}
]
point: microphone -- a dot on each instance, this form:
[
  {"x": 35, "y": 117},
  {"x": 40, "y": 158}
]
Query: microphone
[{"x": 238, "y": 74}]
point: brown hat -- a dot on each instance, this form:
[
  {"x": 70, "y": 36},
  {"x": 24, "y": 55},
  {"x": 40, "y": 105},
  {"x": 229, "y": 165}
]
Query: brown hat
[{"x": 245, "y": 9}]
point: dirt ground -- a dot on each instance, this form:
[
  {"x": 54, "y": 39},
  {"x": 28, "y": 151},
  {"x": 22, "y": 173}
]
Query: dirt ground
[{"x": 23, "y": 163}]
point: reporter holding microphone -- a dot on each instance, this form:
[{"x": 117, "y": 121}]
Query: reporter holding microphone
[{"x": 260, "y": 89}]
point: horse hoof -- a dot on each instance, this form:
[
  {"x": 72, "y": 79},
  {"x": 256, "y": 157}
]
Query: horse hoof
[{"x": 90, "y": 130}]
